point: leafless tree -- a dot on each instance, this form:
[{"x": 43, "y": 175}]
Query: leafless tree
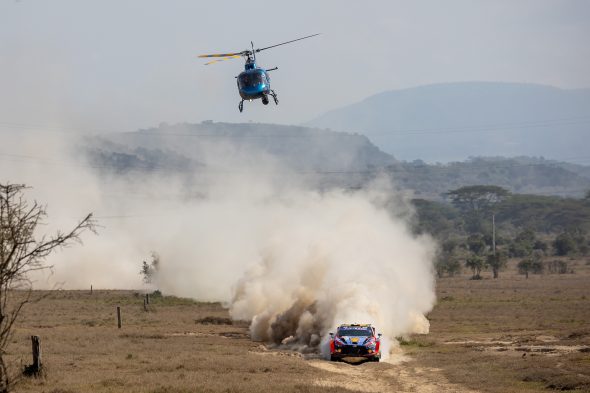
[
  {"x": 149, "y": 270},
  {"x": 22, "y": 252}
]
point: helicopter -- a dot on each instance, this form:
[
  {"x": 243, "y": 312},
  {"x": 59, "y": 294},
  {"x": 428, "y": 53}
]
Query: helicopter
[{"x": 254, "y": 81}]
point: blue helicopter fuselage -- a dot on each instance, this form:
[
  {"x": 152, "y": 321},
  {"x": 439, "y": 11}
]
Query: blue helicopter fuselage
[{"x": 253, "y": 82}]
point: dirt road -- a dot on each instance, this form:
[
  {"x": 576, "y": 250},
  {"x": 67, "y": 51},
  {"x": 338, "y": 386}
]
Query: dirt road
[
  {"x": 397, "y": 374},
  {"x": 384, "y": 377}
]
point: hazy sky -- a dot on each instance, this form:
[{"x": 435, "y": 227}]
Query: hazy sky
[{"x": 122, "y": 64}]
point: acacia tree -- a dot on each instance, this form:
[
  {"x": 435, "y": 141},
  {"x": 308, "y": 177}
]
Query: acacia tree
[
  {"x": 21, "y": 253},
  {"x": 476, "y": 264},
  {"x": 446, "y": 260},
  {"x": 525, "y": 266},
  {"x": 476, "y": 202},
  {"x": 497, "y": 262},
  {"x": 477, "y": 198},
  {"x": 533, "y": 263}
]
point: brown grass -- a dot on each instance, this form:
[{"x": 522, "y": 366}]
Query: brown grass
[
  {"x": 505, "y": 335},
  {"x": 512, "y": 334},
  {"x": 163, "y": 350}
]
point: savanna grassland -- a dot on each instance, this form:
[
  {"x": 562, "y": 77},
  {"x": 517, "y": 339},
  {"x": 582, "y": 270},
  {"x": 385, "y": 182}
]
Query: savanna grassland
[
  {"x": 511, "y": 334},
  {"x": 506, "y": 335}
]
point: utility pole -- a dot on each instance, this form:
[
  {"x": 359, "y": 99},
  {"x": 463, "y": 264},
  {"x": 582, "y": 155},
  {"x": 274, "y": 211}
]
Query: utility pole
[{"x": 493, "y": 234}]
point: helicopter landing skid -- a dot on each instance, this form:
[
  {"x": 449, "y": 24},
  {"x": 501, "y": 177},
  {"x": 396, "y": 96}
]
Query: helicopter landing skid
[
  {"x": 241, "y": 106},
  {"x": 274, "y": 96}
]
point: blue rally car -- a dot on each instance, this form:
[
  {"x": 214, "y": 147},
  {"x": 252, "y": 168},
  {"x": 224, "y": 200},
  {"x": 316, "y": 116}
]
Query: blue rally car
[{"x": 355, "y": 340}]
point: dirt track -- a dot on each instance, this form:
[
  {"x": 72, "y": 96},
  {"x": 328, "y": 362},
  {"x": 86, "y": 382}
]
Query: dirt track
[
  {"x": 397, "y": 374},
  {"x": 384, "y": 377}
]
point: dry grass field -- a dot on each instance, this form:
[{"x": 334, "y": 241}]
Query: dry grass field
[
  {"x": 505, "y": 335},
  {"x": 511, "y": 334}
]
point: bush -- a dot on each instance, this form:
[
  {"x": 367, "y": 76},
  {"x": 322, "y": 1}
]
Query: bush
[
  {"x": 532, "y": 264},
  {"x": 584, "y": 248},
  {"x": 453, "y": 267},
  {"x": 524, "y": 267},
  {"x": 557, "y": 267},
  {"x": 476, "y": 264},
  {"x": 156, "y": 293},
  {"x": 540, "y": 245},
  {"x": 564, "y": 244},
  {"x": 497, "y": 262},
  {"x": 519, "y": 249},
  {"x": 476, "y": 243},
  {"x": 537, "y": 267}
]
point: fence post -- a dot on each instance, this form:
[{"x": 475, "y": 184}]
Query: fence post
[
  {"x": 91, "y": 289},
  {"x": 119, "y": 316},
  {"x": 145, "y": 305},
  {"x": 147, "y": 298},
  {"x": 36, "y": 366}
]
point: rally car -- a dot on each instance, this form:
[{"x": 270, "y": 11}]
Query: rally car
[{"x": 355, "y": 340}]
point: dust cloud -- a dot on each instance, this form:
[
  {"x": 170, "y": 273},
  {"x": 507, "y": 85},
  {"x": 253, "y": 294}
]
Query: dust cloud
[
  {"x": 293, "y": 260},
  {"x": 335, "y": 258}
]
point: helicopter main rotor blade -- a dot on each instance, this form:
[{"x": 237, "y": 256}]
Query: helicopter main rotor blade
[
  {"x": 242, "y": 53},
  {"x": 222, "y": 59},
  {"x": 288, "y": 42}
]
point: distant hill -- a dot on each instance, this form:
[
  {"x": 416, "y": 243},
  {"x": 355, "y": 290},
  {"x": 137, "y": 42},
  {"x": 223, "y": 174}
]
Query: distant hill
[
  {"x": 454, "y": 121},
  {"x": 522, "y": 175},
  {"x": 190, "y": 146},
  {"x": 331, "y": 159}
]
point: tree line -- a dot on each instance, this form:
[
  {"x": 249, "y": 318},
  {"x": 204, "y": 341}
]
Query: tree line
[{"x": 481, "y": 226}]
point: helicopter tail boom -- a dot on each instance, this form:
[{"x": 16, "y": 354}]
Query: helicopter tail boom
[{"x": 283, "y": 43}]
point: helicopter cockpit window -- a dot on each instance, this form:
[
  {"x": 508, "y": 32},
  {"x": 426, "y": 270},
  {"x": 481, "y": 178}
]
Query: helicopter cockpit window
[{"x": 251, "y": 79}]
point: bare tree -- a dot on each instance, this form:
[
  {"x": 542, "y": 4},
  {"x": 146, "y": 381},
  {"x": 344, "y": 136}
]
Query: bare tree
[
  {"x": 149, "y": 270},
  {"x": 21, "y": 253}
]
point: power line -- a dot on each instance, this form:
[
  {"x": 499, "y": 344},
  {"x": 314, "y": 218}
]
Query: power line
[
  {"x": 245, "y": 134},
  {"x": 494, "y": 127},
  {"x": 394, "y": 168},
  {"x": 51, "y": 161}
]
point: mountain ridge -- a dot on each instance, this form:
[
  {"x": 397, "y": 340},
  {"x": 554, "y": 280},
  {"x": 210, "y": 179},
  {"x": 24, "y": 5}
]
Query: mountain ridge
[
  {"x": 453, "y": 121},
  {"x": 332, "y": 159}
]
